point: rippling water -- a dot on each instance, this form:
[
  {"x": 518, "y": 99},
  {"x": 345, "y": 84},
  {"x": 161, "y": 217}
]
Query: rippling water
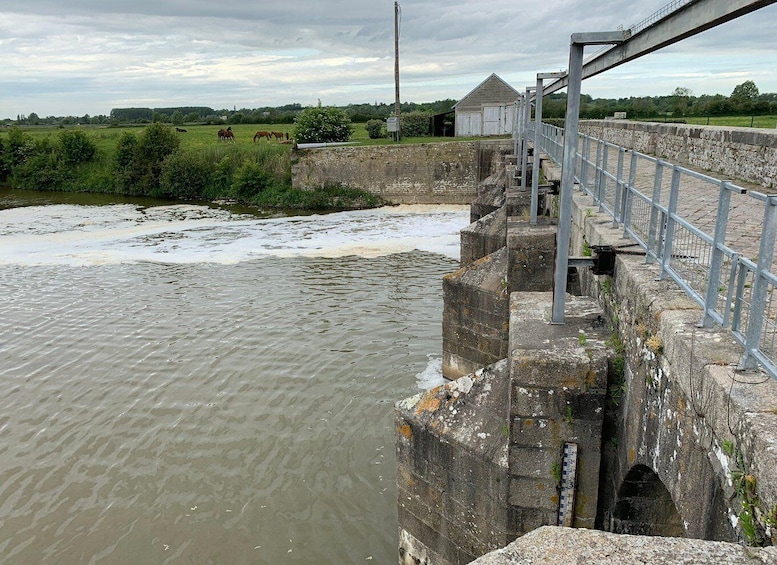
[{"x": 186, "y": 385}]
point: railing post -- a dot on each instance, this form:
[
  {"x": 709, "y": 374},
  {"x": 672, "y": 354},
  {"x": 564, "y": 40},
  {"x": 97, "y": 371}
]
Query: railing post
[
  {"x": 716, "y": 261},
  {"x": 561, "y": 269},
  {"x": 668, "y": 249},
  {"x": 760, "y": 286},
  {"x": 535, "y": 170},
  {"x": 629, "y": 195},
  {"x": 617, "y": 215},
  {"x": 601, "y": 187},
  {"x": 585, "y": 164},
  {"x": 597, "y": 168},
  {"x": 655, "y": 214},
  {"x": 525, "y": 151}
]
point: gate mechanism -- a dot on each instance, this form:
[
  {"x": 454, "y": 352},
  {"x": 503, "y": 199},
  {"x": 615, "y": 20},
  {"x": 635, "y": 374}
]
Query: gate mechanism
[{"x": 602, "y": 259}]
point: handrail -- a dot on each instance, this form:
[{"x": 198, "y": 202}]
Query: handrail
[{"x": 657, "y": 205}]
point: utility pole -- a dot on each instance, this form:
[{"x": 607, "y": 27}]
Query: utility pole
[{"x": 396, "y": 64}]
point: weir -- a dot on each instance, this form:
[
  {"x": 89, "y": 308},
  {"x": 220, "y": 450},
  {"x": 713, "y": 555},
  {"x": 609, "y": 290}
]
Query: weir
[{"x": 628, "y": 418}]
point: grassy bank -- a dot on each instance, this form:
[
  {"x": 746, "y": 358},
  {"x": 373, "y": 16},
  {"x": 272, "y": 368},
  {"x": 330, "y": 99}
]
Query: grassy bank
[{"x": 162, "y": 162}]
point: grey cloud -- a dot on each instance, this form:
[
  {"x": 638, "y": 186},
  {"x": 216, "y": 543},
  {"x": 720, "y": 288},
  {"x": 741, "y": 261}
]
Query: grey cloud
[{"x": 103, "y": 53}]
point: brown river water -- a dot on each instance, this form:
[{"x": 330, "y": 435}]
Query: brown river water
[{"x": 184, "y": 384}]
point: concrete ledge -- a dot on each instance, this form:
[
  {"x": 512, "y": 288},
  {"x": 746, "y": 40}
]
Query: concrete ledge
[
  {"x": 565, "y": 545},
  {"x": 452, "y": 475}
]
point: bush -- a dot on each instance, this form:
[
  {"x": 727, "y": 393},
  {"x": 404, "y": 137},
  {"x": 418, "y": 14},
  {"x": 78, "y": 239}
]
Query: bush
[
  {"x": 40, "y": 169},
  {"x": 185, "y": 175},
  {"x": 138, "y": 160},
  {"x": 322, "y": 125},
  {"x": 375, "y": 129},
  {"x": 414, "y": 124},
  {"x": 76, "y": 147},
  {"x": 250, "y": 181}
]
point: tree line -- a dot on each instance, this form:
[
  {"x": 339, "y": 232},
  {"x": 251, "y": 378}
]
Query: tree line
[{"x": 745, "y": 99}]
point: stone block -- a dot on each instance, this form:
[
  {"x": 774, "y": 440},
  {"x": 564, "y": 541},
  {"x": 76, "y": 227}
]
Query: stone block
[
  {"x": 534, "y": 463},
  {"x": 531, "y": 255},
  {"x": 535, "y": 493}
]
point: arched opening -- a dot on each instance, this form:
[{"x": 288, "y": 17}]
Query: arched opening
[{"x": 645, "y": 507}]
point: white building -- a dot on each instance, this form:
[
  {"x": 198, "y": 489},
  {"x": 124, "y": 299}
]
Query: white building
[{"x": 489, "y": 109}]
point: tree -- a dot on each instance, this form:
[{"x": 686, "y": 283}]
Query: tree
[
  {"x": 744, "y": 96},
  {"x": 681, "y": 97},
  {"x": 323, "y": 124},
  {"x": 177, "y": 118}
]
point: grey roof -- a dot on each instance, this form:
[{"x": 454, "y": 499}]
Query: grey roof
[{"x": 493, "y": 89}]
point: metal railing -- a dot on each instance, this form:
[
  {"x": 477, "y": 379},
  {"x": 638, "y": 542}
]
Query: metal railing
[{"x": 681, "y": 219}]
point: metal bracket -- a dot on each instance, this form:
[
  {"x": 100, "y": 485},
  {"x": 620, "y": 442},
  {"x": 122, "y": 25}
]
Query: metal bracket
[{"x": 602, "y": 262}]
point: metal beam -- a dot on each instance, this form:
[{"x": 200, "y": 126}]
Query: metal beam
[
  {"x": 575, "y": 71},
  {"x": 685, "y": 22}
]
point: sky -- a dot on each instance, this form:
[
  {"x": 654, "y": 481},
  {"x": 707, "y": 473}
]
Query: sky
[{"x": 77, "y": 57}]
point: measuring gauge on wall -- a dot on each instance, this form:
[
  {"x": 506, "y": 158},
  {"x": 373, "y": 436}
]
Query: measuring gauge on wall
[{"x": 566, "y": 499}]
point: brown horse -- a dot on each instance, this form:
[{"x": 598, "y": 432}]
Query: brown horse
[
  {"x": 226, "y": 135},
  {"x": 278, "y": 135},
  {"x": 261, "y": 134}
]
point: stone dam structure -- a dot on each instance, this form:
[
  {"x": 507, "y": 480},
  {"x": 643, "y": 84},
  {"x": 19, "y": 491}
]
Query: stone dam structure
[{"x": 552, "y": 443}]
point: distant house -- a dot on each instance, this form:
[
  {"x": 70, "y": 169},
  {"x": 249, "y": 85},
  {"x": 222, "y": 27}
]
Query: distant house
[{"x": 489, "y": 109}]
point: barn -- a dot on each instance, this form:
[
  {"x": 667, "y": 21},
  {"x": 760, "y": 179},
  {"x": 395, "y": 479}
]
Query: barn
[{"x": 489, "y": 109}]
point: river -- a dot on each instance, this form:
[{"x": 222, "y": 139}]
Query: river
[{"x": 192, "y": 384}]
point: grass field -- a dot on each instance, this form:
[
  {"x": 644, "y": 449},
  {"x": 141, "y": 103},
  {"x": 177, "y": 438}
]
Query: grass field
[
  {"x": 202, "y": 136},
  {"x": 766, "y": 122}
]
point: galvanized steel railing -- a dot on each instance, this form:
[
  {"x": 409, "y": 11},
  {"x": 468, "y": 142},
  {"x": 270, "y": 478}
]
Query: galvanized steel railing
[{"x": 681, "y": 218}]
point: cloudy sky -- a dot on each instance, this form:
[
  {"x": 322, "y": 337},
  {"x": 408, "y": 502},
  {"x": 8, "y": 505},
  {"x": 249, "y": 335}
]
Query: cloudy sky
[{"x": 76, "y": 57}]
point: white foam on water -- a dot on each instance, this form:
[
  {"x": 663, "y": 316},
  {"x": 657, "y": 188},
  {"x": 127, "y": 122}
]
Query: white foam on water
[{"x": 88, "y": 235}]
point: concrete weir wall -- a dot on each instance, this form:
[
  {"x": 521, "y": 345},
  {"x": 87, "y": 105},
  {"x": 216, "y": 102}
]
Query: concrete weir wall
[
  {"x": 423, "y": 173},
  {"x": 670, "y": 440}
]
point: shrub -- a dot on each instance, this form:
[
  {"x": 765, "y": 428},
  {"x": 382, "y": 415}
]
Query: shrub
[
  {"x": 40, "y": 169},
  {"x": 155, "y": 143},
  {"x": 76, "y": 147},
  {"x": 184, "y": 175},
  {"x": 414, "y": 124},
  {"x": 375, "y": 129},
  {"x": 322, "y": 125},
  {"x": 127, "y": 175},
  {"x": 250, "y": 180}
]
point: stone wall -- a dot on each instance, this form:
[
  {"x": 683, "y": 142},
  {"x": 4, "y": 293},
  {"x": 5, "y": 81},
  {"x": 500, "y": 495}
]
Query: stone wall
[
  {"x": 424, "y": 173},
  {"x": 745, "y": 154},
  {"x": 683, "y": 417}
]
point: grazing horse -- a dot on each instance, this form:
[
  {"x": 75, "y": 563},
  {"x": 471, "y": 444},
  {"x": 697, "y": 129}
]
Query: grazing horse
[
  {"x": 226, "y": 135},
  {"x": 261, "y": 134},
  {"x": 278, "y": 135},
  {"x": 180, "y": 130}
]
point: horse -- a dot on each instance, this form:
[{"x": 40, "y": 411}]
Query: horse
[
  {"x": 261, "y": 134},
  {"x": 180, "y": 130},
  {"x": 226, "y": 135},
  {"x": 278, "y": 135}
]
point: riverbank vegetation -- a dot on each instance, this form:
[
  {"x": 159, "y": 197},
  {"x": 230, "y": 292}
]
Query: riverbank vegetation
[{"x": 162, "y": 162}]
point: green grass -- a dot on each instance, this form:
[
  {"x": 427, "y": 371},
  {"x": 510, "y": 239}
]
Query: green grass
[
  {"x": 201, "y": 136},
  {"x": 768, "y": 122}
]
